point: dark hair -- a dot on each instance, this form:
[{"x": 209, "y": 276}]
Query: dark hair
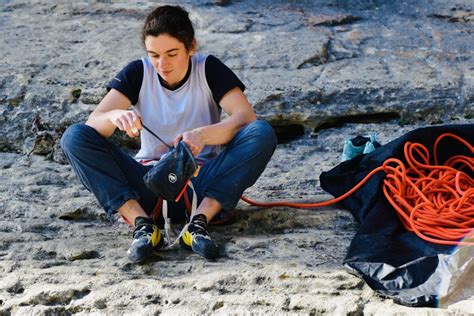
[{"x": 172, "y": 20}]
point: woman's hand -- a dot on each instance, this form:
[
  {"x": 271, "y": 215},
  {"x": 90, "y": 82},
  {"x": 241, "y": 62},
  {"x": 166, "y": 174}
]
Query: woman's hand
[
  {"x": 194, "y": 139},
  {"x": 127, "y": 121},
  {"x": 112, "y": 113}
]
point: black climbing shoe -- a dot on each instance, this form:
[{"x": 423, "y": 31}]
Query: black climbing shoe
[
  {"x": 146, "y": 239},
  {"x": 197, "y": 238}
]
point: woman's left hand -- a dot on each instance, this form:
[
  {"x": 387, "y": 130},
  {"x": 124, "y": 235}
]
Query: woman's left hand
[{"x": 194, "y": 139}]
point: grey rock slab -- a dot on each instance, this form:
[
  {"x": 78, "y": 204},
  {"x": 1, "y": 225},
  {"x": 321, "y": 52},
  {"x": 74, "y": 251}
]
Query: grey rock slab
[
  {"x": 303, "y": 60},
  {"x": 271, "y": 49},
  {"x": 407, "y": 88},
  {"x": 315, "y": 69}
]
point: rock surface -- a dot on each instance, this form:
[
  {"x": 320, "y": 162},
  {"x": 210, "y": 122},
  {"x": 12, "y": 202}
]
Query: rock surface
[{"x": 319, "y": 71}]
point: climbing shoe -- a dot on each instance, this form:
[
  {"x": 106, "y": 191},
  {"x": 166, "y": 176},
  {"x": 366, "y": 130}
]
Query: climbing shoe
[
  {"x": 359, "y": 145},
  {"x": 146, "y": 239},
  {"x": 197, "y": 238}
]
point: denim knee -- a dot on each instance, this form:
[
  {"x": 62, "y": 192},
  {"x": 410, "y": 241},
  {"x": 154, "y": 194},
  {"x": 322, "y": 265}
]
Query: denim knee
[
  {"x": 238, "y": 166},
  {"x": 263, "y": 136},
  {"x": 75, "y": 135}
]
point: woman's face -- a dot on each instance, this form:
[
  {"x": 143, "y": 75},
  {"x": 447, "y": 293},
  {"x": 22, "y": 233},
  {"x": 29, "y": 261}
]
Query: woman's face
[{"x": 169, "y": 57}]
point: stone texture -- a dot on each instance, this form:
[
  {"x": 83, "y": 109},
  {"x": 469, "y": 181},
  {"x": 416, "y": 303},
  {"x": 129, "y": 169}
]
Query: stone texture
[
  {"x": 320, "y": 71},
  {"x": 308, "y": 63}
]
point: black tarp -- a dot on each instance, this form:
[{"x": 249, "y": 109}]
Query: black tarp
[{"x": 392, "y": 261}]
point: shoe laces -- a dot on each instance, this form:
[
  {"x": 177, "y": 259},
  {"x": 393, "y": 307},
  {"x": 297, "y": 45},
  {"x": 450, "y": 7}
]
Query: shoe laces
[
  {"x": 143, "y": 231},
  {"x": 198, "y": 228}
]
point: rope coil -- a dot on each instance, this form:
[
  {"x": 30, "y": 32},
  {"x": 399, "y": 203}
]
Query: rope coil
[{"x": 436, "y": 202}]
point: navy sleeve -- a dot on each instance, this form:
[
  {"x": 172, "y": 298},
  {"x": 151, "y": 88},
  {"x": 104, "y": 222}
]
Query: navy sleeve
[
  {"x": 220, "y": 78},
  {"x": 129, "y": 80}
]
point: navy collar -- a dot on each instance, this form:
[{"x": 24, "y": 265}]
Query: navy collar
[{"x": 181, "y": 83}]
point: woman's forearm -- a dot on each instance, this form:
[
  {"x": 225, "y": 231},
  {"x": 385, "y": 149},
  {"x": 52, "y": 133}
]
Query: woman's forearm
[
  {"x": 101, "y": 122},
  {"x": 223, "y": 132},
  {"x": 107, "y": 116}
]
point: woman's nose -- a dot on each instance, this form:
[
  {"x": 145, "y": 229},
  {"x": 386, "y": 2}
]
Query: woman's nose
[{"x": 162, "y": 62}]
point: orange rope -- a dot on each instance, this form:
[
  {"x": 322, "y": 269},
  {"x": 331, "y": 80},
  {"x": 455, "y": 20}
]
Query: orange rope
[{"x": 436, "y": 202}]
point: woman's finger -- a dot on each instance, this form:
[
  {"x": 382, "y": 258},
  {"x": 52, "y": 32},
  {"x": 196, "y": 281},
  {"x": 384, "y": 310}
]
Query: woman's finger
[
  {"x": 119, "y": 123},
  {"x": 132, "y": 122},
  {"x": 177, "y": 140},
  {"x": 129, "y": 118}
]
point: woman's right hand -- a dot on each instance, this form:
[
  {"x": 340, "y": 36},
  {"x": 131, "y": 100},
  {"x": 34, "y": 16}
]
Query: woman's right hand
[
  {"x": 112, "y": 113},
  {"x": 127, "y": 121}
]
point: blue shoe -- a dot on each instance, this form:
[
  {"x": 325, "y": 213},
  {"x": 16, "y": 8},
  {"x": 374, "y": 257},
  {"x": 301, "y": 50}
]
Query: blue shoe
[
  {"x": 197, "y": 238},
  {"x": 146, "y": 239},
  {"x": 359, "y": 145},
  {"x": 371, "y": 145}
]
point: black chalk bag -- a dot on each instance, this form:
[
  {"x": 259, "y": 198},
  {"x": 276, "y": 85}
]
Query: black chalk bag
[{"x": 171, "y": 175}]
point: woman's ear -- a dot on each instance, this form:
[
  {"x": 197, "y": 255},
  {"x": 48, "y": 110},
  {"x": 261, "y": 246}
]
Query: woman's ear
[{"x": 192, "y": 49}]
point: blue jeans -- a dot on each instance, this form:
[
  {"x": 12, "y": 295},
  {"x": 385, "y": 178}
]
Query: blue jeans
[{"x": 114, "y": 177}]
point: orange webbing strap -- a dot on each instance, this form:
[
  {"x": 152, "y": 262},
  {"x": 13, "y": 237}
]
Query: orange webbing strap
[
  {"x": 222, "y": 221},
  {"x": 436, "y": 202},
  {"x": 187, "y": 203},
  {"x": 155, "y": 214},
  {"x": 126, "y": 220}
]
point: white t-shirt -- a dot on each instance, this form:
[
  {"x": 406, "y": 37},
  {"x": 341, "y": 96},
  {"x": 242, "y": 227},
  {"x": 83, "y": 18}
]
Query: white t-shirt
[{"x": 170, "y": 112}]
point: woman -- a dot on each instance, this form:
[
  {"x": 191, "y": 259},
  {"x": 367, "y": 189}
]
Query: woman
[{"x": 179, "y": 95}]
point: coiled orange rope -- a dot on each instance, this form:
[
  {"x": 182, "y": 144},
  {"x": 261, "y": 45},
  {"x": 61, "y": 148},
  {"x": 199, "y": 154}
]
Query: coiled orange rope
[{"x": 436, "y": 202}]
